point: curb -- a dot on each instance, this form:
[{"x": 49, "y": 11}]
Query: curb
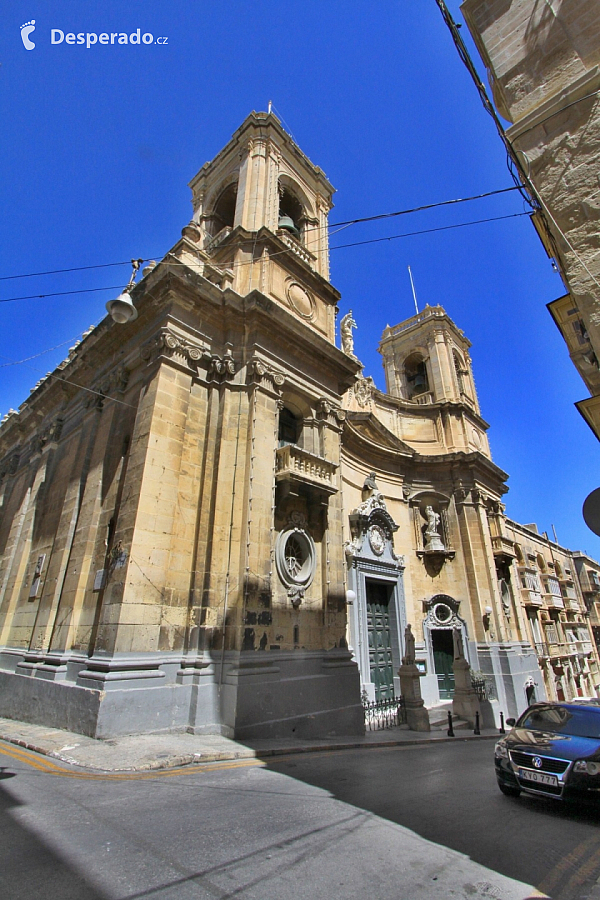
[{"x": 201, "y": 758}]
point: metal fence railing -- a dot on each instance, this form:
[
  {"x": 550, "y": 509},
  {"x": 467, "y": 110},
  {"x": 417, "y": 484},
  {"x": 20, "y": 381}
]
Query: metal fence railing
[{"x": 383, "y": 713}]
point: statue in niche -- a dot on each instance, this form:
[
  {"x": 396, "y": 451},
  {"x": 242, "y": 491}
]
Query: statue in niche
[
  {"x": 409, "y": 647},
  {"x": 505, "y": 596},
  {"x": 433, "y": 540},
  {"x": 346, "y": 326}
]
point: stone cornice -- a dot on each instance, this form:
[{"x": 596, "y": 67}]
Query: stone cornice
[
  {"x": 266, "y": 127},
  {"x": 579, "y": 88}
]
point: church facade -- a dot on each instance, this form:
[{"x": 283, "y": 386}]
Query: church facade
[{"x": 211, "y": 520}]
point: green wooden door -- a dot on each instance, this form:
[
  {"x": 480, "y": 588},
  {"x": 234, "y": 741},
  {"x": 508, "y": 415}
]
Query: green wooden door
[
  {"x": 380, "y": 647},
  {"x": 443, "y": 658}
]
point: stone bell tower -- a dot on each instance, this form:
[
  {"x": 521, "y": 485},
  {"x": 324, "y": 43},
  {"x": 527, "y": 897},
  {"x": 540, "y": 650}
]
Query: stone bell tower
[
  {"x": 427, "y": 363},
  {"x": 260, "y": 203},
  {"x": 260, "y": 218}
]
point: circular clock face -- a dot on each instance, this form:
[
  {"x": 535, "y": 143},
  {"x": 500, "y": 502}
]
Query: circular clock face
[{"x": 377, "y": 539}]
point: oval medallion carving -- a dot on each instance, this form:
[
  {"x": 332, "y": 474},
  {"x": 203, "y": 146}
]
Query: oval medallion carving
[{"x": 300, "y": 300}]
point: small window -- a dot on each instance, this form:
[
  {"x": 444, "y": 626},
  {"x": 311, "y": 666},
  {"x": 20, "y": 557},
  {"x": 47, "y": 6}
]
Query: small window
[{"x": 290, "y": 427}]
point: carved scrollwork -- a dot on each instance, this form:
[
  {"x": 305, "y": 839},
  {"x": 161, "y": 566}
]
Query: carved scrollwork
[
  {"x": 172, "y": 344},
  {"x": 297, "y": 519},
  {"x": 13, "y": 464},
  {"x": 327, "y": 410},
  {"x": 49, "y": 435},
  {"x": 260, "y": 372},
  {"x": 493, "y": 506},
  {"x": 116, "y": 380},
  {"x": 363, "y": 390},
  {"x": 222, "y": 366}
]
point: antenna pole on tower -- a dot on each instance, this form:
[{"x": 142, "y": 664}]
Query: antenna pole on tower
[{"x": 412, "y": 284}]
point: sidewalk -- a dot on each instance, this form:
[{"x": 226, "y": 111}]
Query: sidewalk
[{"x": 142, "y": 752}]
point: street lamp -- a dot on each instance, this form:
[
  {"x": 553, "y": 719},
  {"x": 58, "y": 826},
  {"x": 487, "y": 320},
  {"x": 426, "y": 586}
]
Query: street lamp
[{"x": 122, "y": 309}]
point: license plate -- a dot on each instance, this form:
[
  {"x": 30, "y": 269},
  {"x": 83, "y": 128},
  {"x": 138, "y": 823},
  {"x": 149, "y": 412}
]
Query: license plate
[{"x": 538, "y": 777}]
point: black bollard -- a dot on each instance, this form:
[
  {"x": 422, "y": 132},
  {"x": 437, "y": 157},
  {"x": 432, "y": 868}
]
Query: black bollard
[
  {"x": 502, "y": 728},
  {"x": 476, "y": 729},
  {"x": 450, "y": 728}
]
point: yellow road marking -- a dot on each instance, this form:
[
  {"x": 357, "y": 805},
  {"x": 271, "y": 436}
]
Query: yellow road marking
[
  {"x": 583, "y": 874},
  {"x": 572, "y": 860},
  {"x": 44, "y": 764}
]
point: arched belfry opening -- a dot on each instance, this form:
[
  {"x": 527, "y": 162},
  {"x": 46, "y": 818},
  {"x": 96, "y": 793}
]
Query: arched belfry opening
[
  {"x": 291, "y": 213},
  {"x": 459, "y": 369},
  {"x": 223, "y": 213},
  {"x": 415, "y": 376}
]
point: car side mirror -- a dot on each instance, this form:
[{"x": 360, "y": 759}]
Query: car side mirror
[{"x": 511, "y": 722}]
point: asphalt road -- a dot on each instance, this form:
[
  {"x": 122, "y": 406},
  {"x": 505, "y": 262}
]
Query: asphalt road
[
  {"x": 340, "y": 825},
  {"x": 448, "y": 794}
]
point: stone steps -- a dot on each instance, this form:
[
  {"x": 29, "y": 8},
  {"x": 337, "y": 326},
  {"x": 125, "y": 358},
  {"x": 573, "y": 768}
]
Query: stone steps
[{"x": 438, "y": 718}]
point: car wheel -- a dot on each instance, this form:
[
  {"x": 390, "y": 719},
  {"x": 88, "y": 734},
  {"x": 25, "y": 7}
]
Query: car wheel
[{"x": 508, "y": 790}]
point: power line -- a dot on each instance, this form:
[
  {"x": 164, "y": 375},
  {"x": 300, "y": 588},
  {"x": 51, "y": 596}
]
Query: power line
[
  {"x": 127, "y": 262},
  {"x": 19, "y": 362},
  {"x": 118, "y": 287},
  {"x": 393, "y": 237},
  {"x": 404, "y": 212},
  {"x": 246, "y": 263},
  {"x": 400, "y": 212}
]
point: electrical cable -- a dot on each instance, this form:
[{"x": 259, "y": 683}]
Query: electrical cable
[
  {"x": 127, "y": 262},
  {"x": 118, "y": 287},
  {"x": 248, "y": 262},
  {"x": 400, "y": 212},
  {"x": 539, "y": 206},
  {"x": 403, "y": 212},
  {"x": 19, "y": 362},
  {"x": 518, "y": 174},
  {"x": 393, "y": 237}
]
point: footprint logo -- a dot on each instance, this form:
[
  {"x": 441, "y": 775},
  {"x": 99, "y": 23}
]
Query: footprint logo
[{"x": 26, "y": 30}]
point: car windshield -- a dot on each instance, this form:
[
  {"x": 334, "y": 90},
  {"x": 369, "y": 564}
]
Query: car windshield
[{"x": 580, "y": 722}]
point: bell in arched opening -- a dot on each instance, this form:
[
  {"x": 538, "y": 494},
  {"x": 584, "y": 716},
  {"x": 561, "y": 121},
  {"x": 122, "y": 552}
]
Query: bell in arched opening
[
  {"x": 291, "y": 213},
  {"x": 286, "y": 223}
]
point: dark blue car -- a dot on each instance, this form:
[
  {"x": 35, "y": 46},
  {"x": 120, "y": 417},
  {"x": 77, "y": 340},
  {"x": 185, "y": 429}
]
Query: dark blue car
[{"x": 553, "y": 750}]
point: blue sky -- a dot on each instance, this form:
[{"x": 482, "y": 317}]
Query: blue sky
[{"x": 98, "y": 145}]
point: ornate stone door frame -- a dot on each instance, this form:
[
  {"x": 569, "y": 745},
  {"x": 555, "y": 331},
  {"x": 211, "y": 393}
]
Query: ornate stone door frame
[
  {"x": 442, "y": 614},
  {"x": 371, "y": 557}
]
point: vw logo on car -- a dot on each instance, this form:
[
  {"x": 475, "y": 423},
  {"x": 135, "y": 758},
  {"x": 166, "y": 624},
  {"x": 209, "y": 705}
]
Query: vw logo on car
[{"x": 537, "y": 762}]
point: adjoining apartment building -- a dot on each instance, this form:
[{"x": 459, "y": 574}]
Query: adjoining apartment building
[{"x": 559, "y": 590}]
